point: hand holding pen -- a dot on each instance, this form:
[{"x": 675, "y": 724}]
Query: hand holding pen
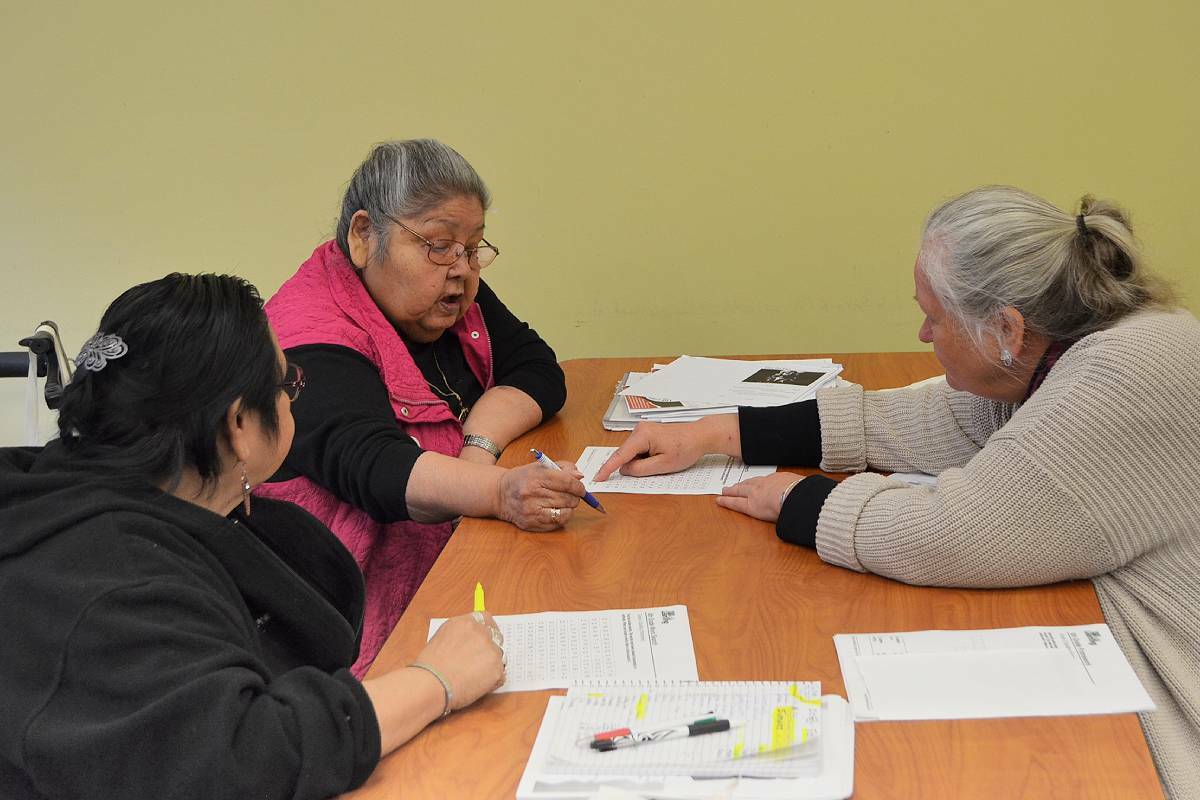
[
  {"x": 588, "y": 498},
  {"x": 535, "y": 498}
]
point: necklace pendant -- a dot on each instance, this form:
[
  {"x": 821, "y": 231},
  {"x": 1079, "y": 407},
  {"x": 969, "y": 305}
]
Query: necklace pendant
[{"x": 462, "y": 415}]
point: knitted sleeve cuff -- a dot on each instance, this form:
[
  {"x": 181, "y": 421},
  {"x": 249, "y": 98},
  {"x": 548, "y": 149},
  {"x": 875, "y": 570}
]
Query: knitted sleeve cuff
[
  {"x": 797, "y": 521},
  {"x": 843, "y": 429},
  {"x": 839, "y": 518}
]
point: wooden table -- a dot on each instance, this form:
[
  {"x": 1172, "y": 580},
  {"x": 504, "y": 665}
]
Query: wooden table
[{"x": 760, "y": 609}]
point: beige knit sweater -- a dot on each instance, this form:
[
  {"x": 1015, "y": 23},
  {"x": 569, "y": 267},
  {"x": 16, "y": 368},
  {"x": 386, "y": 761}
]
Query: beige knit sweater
[{"x": 1096, "y": 476}]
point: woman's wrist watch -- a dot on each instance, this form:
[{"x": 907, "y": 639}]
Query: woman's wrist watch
[{"x": 483, "y": 443}]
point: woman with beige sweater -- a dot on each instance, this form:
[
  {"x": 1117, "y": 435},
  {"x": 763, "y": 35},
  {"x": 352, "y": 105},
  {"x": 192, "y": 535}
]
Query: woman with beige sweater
[{"x": 1065, "y": 435}]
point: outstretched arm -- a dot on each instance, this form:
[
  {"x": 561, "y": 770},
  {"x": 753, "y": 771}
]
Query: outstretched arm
[{"x": 656, "y": 448}]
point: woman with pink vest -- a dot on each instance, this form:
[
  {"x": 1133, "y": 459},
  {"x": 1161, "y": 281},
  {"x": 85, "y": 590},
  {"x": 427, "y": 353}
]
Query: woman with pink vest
[{"x": 417, "y": 378}]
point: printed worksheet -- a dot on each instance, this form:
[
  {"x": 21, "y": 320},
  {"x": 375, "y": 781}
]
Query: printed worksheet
[
  {"x": 553, "y": 649},
  {"x": 709, "y": 475}
]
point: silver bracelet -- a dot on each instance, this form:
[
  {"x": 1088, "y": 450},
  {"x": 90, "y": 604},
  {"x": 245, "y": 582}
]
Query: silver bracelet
[
  {"x": 445, "y": 684},
  {"x": 787, "y": 491},
  {"x": 483, "y": 443}
]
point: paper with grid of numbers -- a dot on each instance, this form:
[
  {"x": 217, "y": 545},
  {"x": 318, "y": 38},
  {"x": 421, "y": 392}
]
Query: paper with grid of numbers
[
  {"x": 709, "y": 475},
  {"x": 553, "y": 649}
]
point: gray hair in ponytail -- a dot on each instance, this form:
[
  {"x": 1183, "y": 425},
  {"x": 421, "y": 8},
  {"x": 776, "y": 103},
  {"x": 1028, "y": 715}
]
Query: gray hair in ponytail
[{"x": 1069, "y": 275}]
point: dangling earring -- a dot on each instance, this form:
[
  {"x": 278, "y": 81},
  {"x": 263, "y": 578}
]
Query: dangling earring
[
  {"x": 245, "y": 492},
  {"x": 1005, "y": 358}
]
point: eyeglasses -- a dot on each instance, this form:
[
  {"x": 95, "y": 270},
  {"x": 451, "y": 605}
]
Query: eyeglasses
[
  {"x": 293, "y": 381},
  {"x": 445, "y": 252}
]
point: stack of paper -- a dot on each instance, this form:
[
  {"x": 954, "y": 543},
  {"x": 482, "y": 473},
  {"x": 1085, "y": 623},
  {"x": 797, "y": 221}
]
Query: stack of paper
[
  {"x": 786, "y": 741},
  {"x": 617, "y": 417},
  {"x": 690, "y": 387},
  {"x": 969, "y": 674}
]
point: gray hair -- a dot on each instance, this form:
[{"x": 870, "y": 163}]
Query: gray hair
[
  {"x": 403, "y": 179},
  {"x": 1068, "y": 275}
]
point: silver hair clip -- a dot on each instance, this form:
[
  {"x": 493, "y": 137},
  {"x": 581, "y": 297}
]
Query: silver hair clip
[{"x": 99, "y": 350}]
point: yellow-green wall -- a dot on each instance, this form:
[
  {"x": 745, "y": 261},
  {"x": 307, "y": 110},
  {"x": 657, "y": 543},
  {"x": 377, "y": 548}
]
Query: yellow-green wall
[{"x": 699, "y": 177}]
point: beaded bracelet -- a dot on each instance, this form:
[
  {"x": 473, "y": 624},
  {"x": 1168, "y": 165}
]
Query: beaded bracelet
[{"x": 445, "y": 684}]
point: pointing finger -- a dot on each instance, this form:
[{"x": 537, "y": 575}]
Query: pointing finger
[{"x": 636, "y": 444}]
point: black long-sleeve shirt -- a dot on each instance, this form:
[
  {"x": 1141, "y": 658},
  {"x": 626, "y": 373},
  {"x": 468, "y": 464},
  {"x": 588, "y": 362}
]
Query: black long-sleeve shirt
[
  {"x": 347, "y": 436},
  {"x": 789, "y": 435}
]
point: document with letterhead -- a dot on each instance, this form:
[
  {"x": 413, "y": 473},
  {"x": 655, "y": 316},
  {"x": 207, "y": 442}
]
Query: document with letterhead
[{"x": 975, "y": 674}]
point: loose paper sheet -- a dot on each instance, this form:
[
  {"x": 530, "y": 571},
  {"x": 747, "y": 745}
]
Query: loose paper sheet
[
  {"x": 552, "y": 649},
  {"x": 969, "y": 674},
  {"x": 709, "y": 475}
]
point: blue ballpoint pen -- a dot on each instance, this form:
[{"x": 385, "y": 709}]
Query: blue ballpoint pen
[{"x": 546, "y": 462}]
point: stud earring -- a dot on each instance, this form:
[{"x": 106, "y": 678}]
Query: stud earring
[
  {"x": 245, "y": 492},
  {"x": 1006, "y": 357}
]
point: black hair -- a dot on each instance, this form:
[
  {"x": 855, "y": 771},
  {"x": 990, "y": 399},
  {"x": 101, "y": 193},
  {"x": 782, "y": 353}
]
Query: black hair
[{"x": 196, "y": 344}]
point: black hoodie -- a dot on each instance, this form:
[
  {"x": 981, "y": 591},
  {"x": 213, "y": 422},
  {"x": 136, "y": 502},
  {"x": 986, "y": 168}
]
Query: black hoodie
[{"x": 152, "y": 649}]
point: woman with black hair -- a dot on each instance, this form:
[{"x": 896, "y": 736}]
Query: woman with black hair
[{"x": 167, "y": 637}]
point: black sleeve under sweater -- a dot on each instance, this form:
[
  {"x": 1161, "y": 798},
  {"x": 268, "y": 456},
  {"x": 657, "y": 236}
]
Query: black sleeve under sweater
[{"x": 789, "y": 436}]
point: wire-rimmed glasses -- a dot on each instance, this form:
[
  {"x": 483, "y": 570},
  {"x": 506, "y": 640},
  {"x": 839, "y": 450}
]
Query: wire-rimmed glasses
[{"x": 444, "y": 252}]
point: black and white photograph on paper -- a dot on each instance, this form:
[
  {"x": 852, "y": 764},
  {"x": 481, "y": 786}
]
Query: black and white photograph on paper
[{"x": 788, "y": 376}]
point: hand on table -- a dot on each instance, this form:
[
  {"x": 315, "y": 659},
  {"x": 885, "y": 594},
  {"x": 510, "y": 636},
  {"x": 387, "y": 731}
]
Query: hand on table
[
  {"x": 655, "y": 448},
  {"x": 761, "y": 498},
  {"x": 469, "y": 655},
  {"x": 538, "y": 499}
]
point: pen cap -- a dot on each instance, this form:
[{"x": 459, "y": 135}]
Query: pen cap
[{"x": 708, "y": 726}]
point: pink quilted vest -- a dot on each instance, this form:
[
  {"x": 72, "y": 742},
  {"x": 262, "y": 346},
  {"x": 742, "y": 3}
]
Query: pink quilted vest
[{"x": 326, "y": 303}]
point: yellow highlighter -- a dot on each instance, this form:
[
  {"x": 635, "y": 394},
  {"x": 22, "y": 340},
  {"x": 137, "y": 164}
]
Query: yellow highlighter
[{"x": 479, "y": 597}]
